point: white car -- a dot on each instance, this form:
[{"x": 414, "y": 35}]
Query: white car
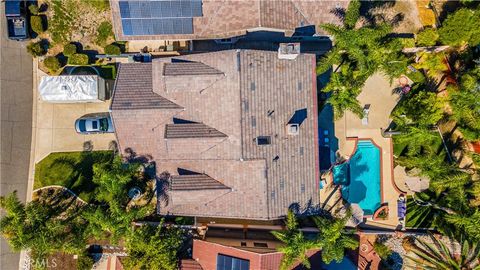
[{"x": 94, "y": 123}]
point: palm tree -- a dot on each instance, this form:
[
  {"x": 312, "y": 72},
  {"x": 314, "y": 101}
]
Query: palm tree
[
  {"x": 439, "y": 257},
  {"x": 468, "y": 223},
  {"x": 367, "y": 48},
  {"x": 154, "y": 247},
  {"x": 334, "y": 238},
  {"x": 344, "y": 90},
  {"x": 113, "y": 217},
  {"x": 296, "y": 245}
]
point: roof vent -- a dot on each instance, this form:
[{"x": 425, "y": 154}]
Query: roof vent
[
  {"x": 293, "y": 129},
  {"x": 288, "y": 51}
]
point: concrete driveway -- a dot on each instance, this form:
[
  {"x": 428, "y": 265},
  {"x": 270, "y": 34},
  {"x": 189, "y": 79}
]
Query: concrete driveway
[
  {"x": 16, "y": 125},
  {"x": 55, "y": 131}
]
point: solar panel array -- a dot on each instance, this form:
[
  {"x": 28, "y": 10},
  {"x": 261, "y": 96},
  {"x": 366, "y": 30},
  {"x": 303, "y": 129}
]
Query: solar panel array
[{"x": 159, "y": 17}]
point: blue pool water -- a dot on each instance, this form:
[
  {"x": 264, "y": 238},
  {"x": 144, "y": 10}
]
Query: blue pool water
[{"x": 360, "y": 177}]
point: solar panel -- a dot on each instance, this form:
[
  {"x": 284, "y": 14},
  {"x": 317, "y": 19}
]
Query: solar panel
[{"x": 159, "y": 17}]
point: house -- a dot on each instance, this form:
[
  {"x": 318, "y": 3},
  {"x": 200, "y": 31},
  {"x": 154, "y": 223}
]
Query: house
[
  {"x": 233, "y": 133},
  {"x": 242, "y": 249},
  {"x": 213, "y": 19}
]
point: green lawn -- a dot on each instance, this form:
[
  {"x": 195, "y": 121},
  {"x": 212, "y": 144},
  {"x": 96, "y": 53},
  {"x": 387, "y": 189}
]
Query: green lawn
[{"x": 73, "y": 170}]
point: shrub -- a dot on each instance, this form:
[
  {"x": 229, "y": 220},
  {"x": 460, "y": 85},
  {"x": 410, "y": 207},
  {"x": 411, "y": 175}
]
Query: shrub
[
  {"x": 112, "y": 49},
  {"x": 427, "y": 37},
  {"x": 85, "y": 262},
  {"x": 78, "y": 59},
  {"x": 33, "y": 9},
  {"x": 104, "y": 32},
  {"x": 382, "y": 250},
  {"x": 461, "y": 27},
  {"x": 36, "y": 48},
  {"x": 52, "y": 63},
  {"x": 69, "y": 49},
  {"x": 37, "y": 24}
]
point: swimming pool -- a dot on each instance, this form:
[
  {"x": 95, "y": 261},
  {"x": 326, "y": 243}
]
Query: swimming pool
[{"x": 363, "y": 173}]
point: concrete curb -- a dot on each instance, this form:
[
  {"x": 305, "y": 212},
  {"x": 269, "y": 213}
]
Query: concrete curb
[{"x": 24, "y": 263}]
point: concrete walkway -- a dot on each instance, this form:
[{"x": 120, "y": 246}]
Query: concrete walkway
[{"x": 16, "y": 125}]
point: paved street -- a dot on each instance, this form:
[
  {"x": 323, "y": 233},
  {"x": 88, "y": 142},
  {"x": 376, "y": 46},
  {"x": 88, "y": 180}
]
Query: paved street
[{"x": 16, "y": 125}]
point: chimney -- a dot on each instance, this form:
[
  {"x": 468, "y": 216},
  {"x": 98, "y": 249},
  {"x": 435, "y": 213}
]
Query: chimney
[
  {"x": 293, "y": 129},
  {"x": 288, "y": 51}
]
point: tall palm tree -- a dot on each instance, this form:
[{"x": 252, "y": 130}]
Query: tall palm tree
[
  {"x": 344, "y": 90},
  {"x": 368, "y": 48},
  {"x": 468, "y": 223},
  {"x": 334, "y": 238},
  {"x": 296, "y": 245},
  {"x": 440, "y": 257}
]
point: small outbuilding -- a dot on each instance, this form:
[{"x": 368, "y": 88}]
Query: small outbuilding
[{"x": 72, "y": 88}]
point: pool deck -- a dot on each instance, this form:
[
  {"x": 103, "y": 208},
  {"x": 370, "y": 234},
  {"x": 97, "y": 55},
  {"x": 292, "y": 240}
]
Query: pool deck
[{"x": 378, "y": 93}]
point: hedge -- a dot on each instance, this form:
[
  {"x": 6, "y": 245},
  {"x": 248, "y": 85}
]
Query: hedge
[
  {"x": 36, "y": 24},
  {"x": 112, "y": 49},
  {"x": 69, "y": 49},
  {"x": 52, "y": 63},
  {"x": 78, "y": 59}
]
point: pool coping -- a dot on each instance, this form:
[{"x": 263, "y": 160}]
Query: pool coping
[{"x": 356, "y": 139}]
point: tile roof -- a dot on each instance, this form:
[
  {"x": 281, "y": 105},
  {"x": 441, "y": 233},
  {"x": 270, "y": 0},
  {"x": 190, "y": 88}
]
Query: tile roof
[
  {"x": 133, "y": 89},
  {"x": 188, "y": 68},
  {"x": 189, "y": 264},
  {"x": 227, "y": 18},
  {"x": 194, "y": 182},
  {"x": 257, "y": 96},
  {"x": 191, "y": 130}
]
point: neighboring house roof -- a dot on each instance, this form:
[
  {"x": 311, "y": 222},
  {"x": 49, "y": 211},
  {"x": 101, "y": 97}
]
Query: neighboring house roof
[
  {"x": 206, "y": 254},
  {"x": 188, "y": 264},
  {"x": 221, "y": 19},
  {"x": 217, "y": 125}
]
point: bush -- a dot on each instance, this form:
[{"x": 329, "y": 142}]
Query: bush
[
  {"x": 37, "y": 24},
  {"x": 36, "y": 48},
  {"x": 382, "y": 250},
  {"x": 112, "y": 49},
  {"x": 104, "y": 32},
  {"x": 33, "y": 9},
  {"x": 69, "y": 49},
  {"x": 461, "y": 27},
  {"x": 78, "y": 59},
  {"x": 427, "y": 37},
  {"x": 85, "y": 262},
  {"x": 52, "y": 63}
]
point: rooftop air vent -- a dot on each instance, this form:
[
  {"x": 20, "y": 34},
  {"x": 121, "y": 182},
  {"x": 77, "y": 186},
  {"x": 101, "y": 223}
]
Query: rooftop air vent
[
  {"x": 293, "y": 129},
  {"x": 288, "y": 51}
]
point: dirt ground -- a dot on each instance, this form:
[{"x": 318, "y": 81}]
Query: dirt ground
[
  {"x": 82, "y": 21},
  {"x": 403, "y": 15}
]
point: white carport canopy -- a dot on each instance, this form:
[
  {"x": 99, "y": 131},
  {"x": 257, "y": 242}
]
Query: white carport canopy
[{"x": 70, "y": 88}]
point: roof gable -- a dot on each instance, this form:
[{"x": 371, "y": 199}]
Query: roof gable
[{"x": 134, "y": 90}]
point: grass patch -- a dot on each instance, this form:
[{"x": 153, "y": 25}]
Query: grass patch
[
  {"x": 73, "y": 170},
  {"x": 104, "y": 32}
]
